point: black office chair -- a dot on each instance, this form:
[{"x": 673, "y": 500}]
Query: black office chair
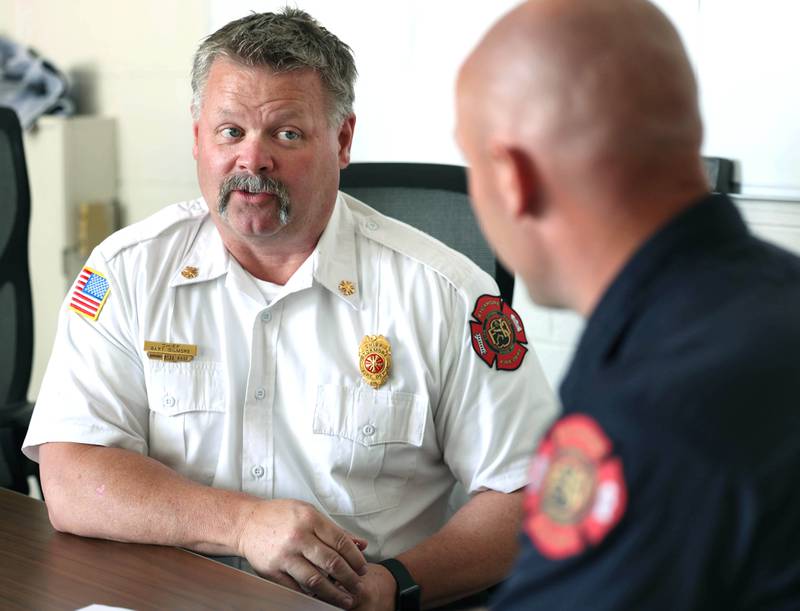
[
  {"x": 16, "y": 308},
  {"x": 432, "y": 198}
]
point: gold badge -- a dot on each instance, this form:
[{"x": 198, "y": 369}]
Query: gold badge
[
  {"x": 164, "y": 351},
  {"x": 189, "y": 272},
  {"x": 347, "y": 288},
  {"x": 375, "y": 359}
]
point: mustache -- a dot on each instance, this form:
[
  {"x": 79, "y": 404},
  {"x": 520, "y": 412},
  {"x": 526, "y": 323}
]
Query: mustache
[{"x": 254, "y": 183}]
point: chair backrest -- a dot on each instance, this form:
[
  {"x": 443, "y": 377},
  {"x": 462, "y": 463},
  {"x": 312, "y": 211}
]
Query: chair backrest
[
  {"x": 16, "y": 308},
  {"x": 432, "y": 198},
  {"x": 720, "y": 174}
]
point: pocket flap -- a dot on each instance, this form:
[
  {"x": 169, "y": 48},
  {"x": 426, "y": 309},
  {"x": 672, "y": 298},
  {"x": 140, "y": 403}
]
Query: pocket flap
[
  {"x": 370, "y": 417},
  {"x": 178, "y": 388}
]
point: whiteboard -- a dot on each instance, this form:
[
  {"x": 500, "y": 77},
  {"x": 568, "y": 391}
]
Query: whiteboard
[{"x": 746, "y": 55}]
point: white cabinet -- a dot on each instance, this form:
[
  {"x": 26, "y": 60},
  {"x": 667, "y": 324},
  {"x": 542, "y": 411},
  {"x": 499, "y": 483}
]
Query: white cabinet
[{"x": 71, "y": 161}]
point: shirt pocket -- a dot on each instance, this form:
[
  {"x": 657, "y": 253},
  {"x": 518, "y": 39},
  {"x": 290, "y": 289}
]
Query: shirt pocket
[
  {"x": 366, "y": 446},
  {"x": 187, "y": 416}
]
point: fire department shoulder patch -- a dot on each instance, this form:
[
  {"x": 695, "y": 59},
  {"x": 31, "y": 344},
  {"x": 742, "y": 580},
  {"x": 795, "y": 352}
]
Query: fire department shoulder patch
[
  {"x": 577, "y": 491},
  {"x": 497, "y": 333}
]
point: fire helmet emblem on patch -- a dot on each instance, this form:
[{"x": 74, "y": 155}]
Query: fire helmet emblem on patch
[
  {"x": 497, "y": 333},
  {"x": 577, "y": 492}
]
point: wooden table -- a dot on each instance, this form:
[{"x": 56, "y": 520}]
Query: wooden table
[{"x": 41, "y": 569}]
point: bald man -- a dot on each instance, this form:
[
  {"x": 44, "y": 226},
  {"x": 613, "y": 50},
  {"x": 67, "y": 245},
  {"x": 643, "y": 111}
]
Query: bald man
[{"x": 670, "y": 480}]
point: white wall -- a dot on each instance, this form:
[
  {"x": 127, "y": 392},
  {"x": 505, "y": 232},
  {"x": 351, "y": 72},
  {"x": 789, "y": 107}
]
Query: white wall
[
  {"x": 129, "y": 60},
  {"x": 6, "y": 17}
]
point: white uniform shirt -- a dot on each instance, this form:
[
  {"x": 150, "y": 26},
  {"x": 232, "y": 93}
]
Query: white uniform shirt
[{"x": 274, "y": 403}]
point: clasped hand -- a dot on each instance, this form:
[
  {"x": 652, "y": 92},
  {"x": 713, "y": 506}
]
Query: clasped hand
[{"x": 291, "y": 543}]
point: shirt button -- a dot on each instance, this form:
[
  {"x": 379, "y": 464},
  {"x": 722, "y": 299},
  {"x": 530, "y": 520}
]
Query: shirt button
[
  {"x": 260, "y": 393},
  {"x": 168, "y": 401},
  {"x": 372, "y": 225},
  {"x": 266, "y": 316},
  {"x": 257, "y": 471},
  {"x": 368, "y": 430}
]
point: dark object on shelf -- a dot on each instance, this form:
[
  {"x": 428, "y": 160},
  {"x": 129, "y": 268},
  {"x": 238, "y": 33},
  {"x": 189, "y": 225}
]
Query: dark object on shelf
[{"x": 720, "y": 174}]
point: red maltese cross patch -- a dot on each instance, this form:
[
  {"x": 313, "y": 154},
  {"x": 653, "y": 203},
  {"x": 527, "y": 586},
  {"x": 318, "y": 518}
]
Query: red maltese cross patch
[
  {"x": 497, "y": 333},
  {"x": 577, "y": 491}
]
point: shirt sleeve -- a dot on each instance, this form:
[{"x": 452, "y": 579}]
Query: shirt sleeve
[
  {"x": 93, "y": 390},
  {"x": 671, "y": 549},
  {"x": 490, "y": 418}
]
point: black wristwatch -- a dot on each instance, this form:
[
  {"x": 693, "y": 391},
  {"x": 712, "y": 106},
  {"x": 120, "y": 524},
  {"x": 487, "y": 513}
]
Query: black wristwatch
[{"x": 409, "y": 594}]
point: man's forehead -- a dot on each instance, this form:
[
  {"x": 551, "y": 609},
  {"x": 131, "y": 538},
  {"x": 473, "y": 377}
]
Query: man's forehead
[{"x": 231, "y": 85}]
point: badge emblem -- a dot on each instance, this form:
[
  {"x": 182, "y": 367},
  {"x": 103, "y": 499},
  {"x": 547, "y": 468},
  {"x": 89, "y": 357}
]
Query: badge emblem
[
  {"x": 347, "y": 288},
  {"x": 375, "y": 359},
  {"x": 190, "y": 272},
  {"x": 497, "y": 333},
  {"x": 577, "y": 491}
]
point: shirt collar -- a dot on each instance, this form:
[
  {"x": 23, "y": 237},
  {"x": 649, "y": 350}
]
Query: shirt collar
[
  {"x": 332, "y": 263},
  {"x": 206, "y": 258},
  {"x": 702, "y": 227},
  {"x": 335, "y": 264}
]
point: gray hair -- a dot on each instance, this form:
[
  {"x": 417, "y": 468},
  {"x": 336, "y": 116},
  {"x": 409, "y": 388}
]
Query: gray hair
[{"x": 285, "y": 41}]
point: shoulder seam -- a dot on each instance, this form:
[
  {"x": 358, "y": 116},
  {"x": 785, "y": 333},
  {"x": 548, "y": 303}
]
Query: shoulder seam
[
  {"x": 137, "y": 233},
  {"x": 460, "y": 276}
]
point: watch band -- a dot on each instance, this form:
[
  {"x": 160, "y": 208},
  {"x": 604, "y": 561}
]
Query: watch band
[{"x": 409, "y": 594}]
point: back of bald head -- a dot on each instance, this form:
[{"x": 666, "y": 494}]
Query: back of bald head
[{"x": 601, "y": 87}]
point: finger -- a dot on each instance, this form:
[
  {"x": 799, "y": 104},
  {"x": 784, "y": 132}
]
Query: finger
[
  {"x": 332, "y": 564},
  {"x": 313, "y": 582},
  {"x": 343, "y": 544},
  {"x": 361, "y": 544}
]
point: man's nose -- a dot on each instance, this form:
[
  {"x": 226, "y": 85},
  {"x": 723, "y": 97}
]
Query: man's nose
[{"x": 255, "y": 156}]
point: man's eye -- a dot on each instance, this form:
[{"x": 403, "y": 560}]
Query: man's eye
[
  {"x": 288, "y": 134},
  {"x": 232, "y": 132}
]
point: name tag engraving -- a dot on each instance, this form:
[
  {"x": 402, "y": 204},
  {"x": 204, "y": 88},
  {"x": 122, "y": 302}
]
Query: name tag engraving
[{"x": 165, "y": 351}]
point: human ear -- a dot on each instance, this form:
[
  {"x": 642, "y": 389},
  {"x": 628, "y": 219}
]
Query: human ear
[
  {"x": 194, "y": 133},
  {"x": 518, "y": 181},
  {"x": 345, "y": 139}
]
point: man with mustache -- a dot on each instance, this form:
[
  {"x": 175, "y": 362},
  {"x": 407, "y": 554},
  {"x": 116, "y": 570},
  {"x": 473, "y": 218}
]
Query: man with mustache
[
  {"x": 668, "y": 481},
  {"x": 277, "y": 372}
]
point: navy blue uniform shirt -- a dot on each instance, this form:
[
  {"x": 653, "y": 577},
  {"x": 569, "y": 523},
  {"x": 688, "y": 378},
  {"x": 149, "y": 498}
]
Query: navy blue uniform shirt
[{"x": 688, "y": 376}]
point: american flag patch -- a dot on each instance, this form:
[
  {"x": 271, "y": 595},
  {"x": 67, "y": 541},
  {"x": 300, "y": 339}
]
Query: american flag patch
[{"x": 89, "y": 293}]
